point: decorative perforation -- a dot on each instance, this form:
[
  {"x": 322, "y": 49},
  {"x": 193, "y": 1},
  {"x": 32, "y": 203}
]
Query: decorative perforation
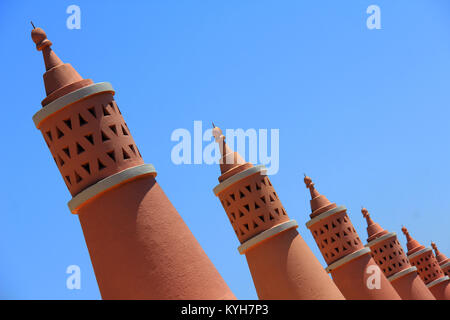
[
  {"x": 252, "y": 205},
  {"x": 389, "y": 256},
  {"x": 446, "y": 271},
  {"x": 336, "y": 237},
  {"x": 427, "y": 267},
  {"x": 89, "y": 141}
]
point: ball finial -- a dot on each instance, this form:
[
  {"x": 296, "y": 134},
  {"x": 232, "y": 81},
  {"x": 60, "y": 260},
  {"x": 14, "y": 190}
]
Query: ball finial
[
  {"x": 434, "y": 246},
  {"x": 365, "y": 212},
  {"x": 40, "y": 38},
  {"x": 217, "y": 133},
  {"x": 308, "y": 182},
  {"x": 405, "y": 231}
]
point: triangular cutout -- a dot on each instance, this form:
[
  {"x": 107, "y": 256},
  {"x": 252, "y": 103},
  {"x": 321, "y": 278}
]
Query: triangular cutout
[
  {"x": 61, "y": 161},
  {"x": 125, "y": 154},
  {"x": 101, "y": 166},
  {"x": 105, "y": 111},
  {"x": 67, "y": 151},
  {"x": 105, "y": 137},
  {"x": 78, "y": 178},
  {"x": 256, "y": 206},
  {"x": 90, "y": 138},
  {"x": 113, "y": 128},
  {"x": 92, "y": 111},
  {"x": 49, "y": 135},
  {"x": 262, "y": 218},
  {"x": 59, "y": 133},
  {"x": 248, "y": 188},
  {"x": 80, "y": 149},
  {"x": 82, "y": 121},
  {"x": 241, "y": 194},
  {"x": 263, "y": 199},
  {"x": 125, "y": 133},
  {"x": 68, "y": 123},
  {"x": 112, "y": 155},
  {"x": 86, "y": 167},
  {"x": 132, "y": 148}
]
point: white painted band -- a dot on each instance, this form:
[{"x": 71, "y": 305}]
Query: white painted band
[
  {"x": 437, "y": 281},
  {"x": 445, "y": 265},
  {"x": 402, "y": 273},
  {"x": 239, "y": 176},
  {"x": 418, "y": 253},
  {"x": 109, "y": 183},
  {"x": 382, "y": 238},
  {"x": 70, "y": 98},
  {"x": 347, "y": 258},
  {"x": 324, "y": 215},
  {"x": 266, "y": 235}
]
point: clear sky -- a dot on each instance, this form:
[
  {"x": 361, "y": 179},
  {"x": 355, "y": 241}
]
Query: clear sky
[{"x": 364, "y": 112}]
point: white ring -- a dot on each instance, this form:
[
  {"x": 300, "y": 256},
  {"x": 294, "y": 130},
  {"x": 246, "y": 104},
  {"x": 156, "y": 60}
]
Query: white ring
[
  {"x": 346, "y": 259},
  {"x": 70, "y": 98},
  {"x": 383, "y": 237},
  {"x": 267, "y": 234},
  {"x": 108, "y": 183},
  {"x": 239, "y": 176},
  {"x": 418, "y": 253},
  {"x": 325, "y": 215},
  {"x": 402, "y": 273},
  {"x": 437, "y": 281}
]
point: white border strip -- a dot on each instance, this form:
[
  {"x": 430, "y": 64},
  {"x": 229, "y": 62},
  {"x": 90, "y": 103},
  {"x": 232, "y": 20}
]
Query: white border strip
[
  {"x": 267, "y": 234},
  {"x": 324, "y": 215},
  {"x": 445, "y": 265},
  {"x": 346, "y": 259},
  {"x": 402, "y": 273},
  {"x": 69, "y": 98},
  {"x": 378, "y": 240},
  {"x": 109, "y": 183},
  {"x": 415, "y": 254},
  {"x": 437, "y": 281},
  {"x": 239, "y": 176}
]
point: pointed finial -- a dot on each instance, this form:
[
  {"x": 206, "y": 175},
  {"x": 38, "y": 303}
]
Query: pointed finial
[
  {"x": 365, "y": 212},
  {"x": 434, "y": 246},
  {"x": 40, "y": 38},
  {"x": 405, "y": 231},
  {"x": 217, "y": 133},
  {"x": 33, "y": 25},
  {"x": 308, "y": 182},
  {"x": 213, "y": 124}
]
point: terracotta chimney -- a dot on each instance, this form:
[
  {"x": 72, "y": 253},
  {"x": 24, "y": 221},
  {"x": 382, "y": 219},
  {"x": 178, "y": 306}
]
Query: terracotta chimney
[
  {"x": 281, "y": 263},
  {"x": 349, "y": 262},
  {"x": 390, "y": 257},
  {"x": 428, "y": 267},
  {"x": 139, "y": 245},
  {"x": 444, "y": 262}
]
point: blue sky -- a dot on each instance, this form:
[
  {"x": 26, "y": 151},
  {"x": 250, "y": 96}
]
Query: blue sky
[{"x": 364, "y": 112}]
